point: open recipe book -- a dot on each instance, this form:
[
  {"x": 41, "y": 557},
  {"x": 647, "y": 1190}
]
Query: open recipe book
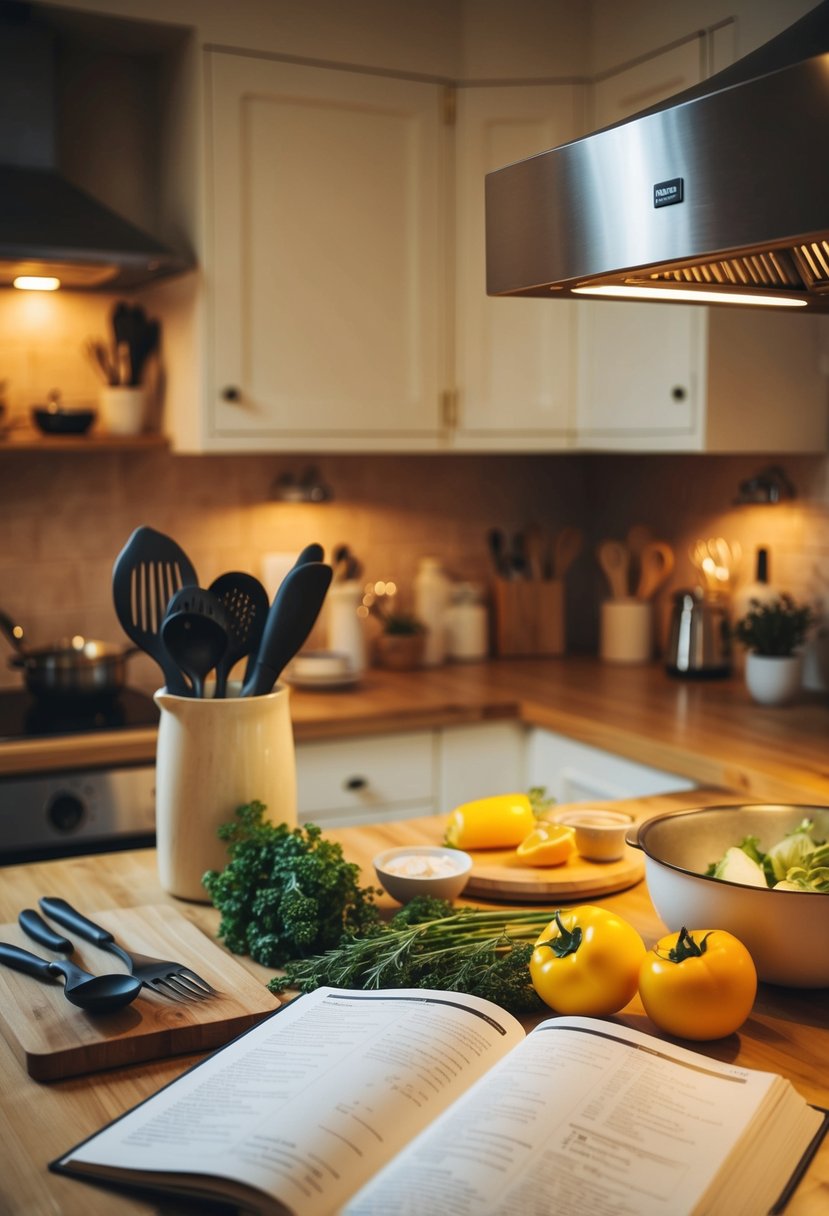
[{"x": 413, "y": 1101}]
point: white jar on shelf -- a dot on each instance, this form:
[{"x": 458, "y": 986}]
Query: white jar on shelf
[{"x": 432, "y": 589}]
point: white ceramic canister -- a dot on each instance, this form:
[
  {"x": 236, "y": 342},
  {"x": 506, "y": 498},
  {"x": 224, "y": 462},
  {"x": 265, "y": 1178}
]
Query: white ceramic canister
[
  {"x": 626, "y": 631},
  {"x": 432, "y": 590},
  {"x": 213, "y": 756},
  {"x": 345, "y": 627},
  {"x": 467, "y": 625},
  {"x": 123, "y": 410}
]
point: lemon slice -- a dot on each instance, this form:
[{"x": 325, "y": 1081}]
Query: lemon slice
[{"x": 548, "y": 844}]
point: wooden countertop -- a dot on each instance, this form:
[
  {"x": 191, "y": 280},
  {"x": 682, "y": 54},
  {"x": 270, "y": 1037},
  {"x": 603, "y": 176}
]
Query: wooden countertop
[
  {"x": 787, "y": 1032},
  {"x": 708, "y": 731}
]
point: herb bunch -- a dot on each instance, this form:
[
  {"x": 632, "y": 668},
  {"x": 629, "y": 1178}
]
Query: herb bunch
[
  {"x": 286, "y": 892},
  {"x": 431, "y": 944}
]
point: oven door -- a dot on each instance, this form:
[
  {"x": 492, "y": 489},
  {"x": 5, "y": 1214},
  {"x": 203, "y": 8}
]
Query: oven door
[{"x": 80, "y": 811}]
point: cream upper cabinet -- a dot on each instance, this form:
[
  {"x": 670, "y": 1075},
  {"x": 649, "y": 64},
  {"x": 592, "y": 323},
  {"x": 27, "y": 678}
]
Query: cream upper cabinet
[
  {"x": 641, "y": 367},
  {"x": 327, "y": 255},
  {"x": 515, "y": 358}
]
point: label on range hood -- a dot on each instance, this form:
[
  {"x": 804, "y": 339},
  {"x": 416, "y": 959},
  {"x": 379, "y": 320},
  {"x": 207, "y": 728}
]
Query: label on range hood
[{"x": 665, "y": 194}]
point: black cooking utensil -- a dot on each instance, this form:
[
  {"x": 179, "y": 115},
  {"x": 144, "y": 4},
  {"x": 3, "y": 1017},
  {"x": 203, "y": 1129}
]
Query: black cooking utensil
[
  {"x": 293, "y": 612},
  {"x": 195, "y": 633},
  {"x": 313, "y": 552},
  {"x": 94, "y": 993},
  {"x": 169, "y": 978},
  {"x": 246, "y": 604},
  {"x": 147, "y": 573}
]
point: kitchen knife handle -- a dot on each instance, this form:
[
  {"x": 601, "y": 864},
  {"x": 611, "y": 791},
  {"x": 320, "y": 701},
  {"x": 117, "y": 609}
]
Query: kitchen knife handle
[
  {"x": 22, "y": 960},
  {"x": 32, "y": 922},
  {"x": 65, "y": 915}
]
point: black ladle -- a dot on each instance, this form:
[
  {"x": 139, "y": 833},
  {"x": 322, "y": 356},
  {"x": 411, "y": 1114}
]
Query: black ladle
[
  {"x": 94, "y": 993},
  {"x": 195, "y": 633}
]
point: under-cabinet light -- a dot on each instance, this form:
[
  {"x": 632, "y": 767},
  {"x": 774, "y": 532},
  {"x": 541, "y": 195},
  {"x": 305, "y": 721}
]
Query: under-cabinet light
[
  {"x": 36, "y": 282},
  {"x": 691, "y": 295}
]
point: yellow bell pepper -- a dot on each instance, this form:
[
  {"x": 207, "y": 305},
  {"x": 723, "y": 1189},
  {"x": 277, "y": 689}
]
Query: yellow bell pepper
[{"x": 499, "y": 822}]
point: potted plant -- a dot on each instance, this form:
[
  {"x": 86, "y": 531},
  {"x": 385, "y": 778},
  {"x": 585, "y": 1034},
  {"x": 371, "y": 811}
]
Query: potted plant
[
  {"x": 773, "y": 633},
  {"x": 400, "y": 644}
]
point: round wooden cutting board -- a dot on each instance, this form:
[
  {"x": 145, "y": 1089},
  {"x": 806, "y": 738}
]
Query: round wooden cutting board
[{"x": 496, "y": 874}]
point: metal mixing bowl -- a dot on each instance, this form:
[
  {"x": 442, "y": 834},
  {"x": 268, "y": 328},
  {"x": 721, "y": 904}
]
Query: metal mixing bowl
[{"x": 786, "y": 932}]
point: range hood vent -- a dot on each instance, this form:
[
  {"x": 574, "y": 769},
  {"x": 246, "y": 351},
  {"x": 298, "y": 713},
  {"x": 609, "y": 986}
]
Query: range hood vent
[
  {"x": 49, "y": 227},
  {"x": 719, "y": 194}
]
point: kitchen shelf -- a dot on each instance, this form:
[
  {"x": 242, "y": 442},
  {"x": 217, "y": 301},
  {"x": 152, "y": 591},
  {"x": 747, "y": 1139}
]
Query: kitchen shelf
[{"x": 33, "y": 441}]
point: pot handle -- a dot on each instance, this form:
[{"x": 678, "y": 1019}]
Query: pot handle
[{"x": 632, "y": 836}]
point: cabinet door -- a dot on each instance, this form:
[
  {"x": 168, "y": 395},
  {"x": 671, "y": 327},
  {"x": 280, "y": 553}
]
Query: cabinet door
[
  {"x": 576, "y": 772},
  {"x": 476, "y": 761},
  {"x": 515, "y": 370},
  {"x": 327, "y": 254},
  {"x": 642, "y": 366},
  {"x": 366, "y": 780}
]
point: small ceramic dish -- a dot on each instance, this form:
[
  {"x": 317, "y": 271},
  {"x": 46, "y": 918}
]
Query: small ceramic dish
[
  {"x": 600, "y": 834},
  {"x": 412, "y": 870},
  {"x": 59, "y": 420},
  {"x": 320, "y": 665}
]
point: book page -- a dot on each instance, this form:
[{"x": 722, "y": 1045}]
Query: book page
[
  {"x": 584, "y": 1116},
  {"x": 309, "y": 1104}
]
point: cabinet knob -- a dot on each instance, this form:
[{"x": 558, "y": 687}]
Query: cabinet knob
[
  {"x": 679, "y": 392},
  {"x": 231, "y": 393},
  {"x": 355, "y": 783}
]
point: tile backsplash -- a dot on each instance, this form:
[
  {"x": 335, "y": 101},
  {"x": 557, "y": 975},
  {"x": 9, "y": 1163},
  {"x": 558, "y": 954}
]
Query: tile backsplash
[{"x": 66, "y": 516}]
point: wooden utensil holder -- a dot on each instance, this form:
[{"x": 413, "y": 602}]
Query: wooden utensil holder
[{"x": 529, "y": 617}]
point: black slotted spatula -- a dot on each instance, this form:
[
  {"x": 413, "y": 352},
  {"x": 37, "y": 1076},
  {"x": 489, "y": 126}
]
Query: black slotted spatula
[{"x": 147, "y": 573}]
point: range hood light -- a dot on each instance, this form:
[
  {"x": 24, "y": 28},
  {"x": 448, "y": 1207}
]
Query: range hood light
[
  {"x": 31, "y": 282},
  {"x": 678, "y": 295}
]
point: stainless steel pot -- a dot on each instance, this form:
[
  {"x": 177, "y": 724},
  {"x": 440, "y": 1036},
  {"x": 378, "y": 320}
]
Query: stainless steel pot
[
  {"x": 699, "y": 640},
  {"x": 73, "y": 668}
]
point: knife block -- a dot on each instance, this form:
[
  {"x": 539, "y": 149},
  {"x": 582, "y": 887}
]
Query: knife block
[{"x": 529, "y": 617}]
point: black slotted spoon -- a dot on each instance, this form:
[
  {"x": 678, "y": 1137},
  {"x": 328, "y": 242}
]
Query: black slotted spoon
[
  {"x": 147, "y": 573},
  {"x": 246, "y": 604}
]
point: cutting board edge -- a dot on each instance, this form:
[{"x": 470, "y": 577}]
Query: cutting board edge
[
  {"x": 497, "y": 889},
  {"x": 41, "y": 1065}
]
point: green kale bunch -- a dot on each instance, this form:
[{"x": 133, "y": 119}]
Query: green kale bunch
[{"x": 286, "y": 893}]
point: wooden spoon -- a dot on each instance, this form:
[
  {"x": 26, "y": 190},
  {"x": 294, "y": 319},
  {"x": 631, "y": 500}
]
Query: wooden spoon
[
  {"x": 656, "y": 562},
  {"x": 614, "y": 559},
  {"x": 567, "y": 547}
]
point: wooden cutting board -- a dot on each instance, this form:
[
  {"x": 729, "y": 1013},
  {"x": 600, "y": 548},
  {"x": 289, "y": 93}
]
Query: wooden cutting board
[
  {"x": 497, "y": 875},
  {"x": 54, "y": 1039}
]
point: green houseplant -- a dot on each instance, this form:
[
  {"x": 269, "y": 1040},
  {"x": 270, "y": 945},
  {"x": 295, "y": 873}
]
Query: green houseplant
[{"x": 773, "y": 633}]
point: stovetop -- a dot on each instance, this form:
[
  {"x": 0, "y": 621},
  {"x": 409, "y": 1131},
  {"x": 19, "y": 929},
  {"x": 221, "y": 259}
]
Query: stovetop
[{"x": 25, "y": 717}]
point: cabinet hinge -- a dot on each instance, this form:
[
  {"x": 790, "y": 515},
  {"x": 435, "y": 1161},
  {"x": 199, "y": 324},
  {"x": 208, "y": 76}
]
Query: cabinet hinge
[
  {"x": 449, "y": 408},
  {"x": 450, "y": 107}
]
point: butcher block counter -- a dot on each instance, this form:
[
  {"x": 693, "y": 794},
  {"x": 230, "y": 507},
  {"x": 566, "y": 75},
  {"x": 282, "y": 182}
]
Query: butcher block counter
[
  {"x": 708, "y": 731},
  {"x": 787, "y": 1032}
]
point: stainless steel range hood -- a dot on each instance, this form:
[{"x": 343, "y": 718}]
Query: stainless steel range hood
[
  {"x": 722, "y": 191},
  {"x": 48, "y": 227}
]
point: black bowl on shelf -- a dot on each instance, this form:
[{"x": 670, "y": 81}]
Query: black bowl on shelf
[{"x": 59, "y": 420}]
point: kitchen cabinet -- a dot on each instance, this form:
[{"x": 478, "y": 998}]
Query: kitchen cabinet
[
  {"x": 655, "y": 377},
  {"x": 577, "y": 772},
  {"x": 515, "y": 370},
  {"x": 380, "y": 777},
  {"x": 327, "y": 255}
]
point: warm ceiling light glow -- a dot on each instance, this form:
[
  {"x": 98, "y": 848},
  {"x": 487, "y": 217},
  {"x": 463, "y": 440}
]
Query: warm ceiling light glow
[
  {"x": 36, "y": 282},
  {"x": 690, "y": 295}
]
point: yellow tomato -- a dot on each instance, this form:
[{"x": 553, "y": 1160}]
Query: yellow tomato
[
  {"x": 548, "y": 844},
  {"x": 587, "y": 962},
  {"x": 499, "y": 822},
  {"x": 698, "y": 985}
]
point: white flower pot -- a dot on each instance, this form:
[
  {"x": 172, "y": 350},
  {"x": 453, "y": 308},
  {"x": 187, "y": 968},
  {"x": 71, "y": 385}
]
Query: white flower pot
[{"x": 774, "y": 679}]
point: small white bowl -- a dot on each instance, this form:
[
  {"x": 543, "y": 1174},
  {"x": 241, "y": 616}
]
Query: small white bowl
[
  {"x": 600, "y": 834},
  {"x": 431, "y": 870},
  {"x": 319, "y": 664}
]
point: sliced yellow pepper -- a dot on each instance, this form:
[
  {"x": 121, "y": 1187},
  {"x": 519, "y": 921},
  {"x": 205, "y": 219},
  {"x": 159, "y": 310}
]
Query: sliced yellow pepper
[
  {"x": 499, "y": 822},
  {"x": 548, "y": 844}
]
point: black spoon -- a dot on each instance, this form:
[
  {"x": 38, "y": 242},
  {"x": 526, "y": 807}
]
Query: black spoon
[
  {"x": 294, "y": 610},
  {"x": 195, "y": 633},
  {"x": 94, "y": 993}
]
